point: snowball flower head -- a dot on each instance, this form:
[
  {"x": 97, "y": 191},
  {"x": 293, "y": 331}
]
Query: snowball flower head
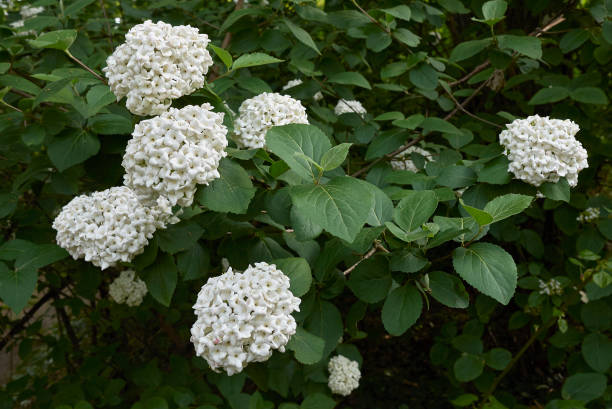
[
  {"x": 170, "y": 154},
  {"x": 403, "y": 161},
  {"x": 541, "y": 149},
  {"x": 106, "y": 227},
  {"x": 588, "y": 215},
  {"x": 127, "y": 289},
  {"x": 294, "y": 83},
  {"x": 344, "y": 375},
  {"x": 262, "y": 112},
  {"x": 157, "y": 63},
  {"x": 550, "y": 287},
  {"x": 29, "y": 11},
  {"x": 243, "y": 317},
  {"x": 346, "y": 106}
]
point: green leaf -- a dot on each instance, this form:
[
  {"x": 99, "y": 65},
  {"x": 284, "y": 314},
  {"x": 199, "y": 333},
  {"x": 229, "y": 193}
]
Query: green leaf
[
  {"x": 409, "y": 123},
  {"x": 76, "y": 6},
  {"x": 194, "y": 262},
  {"x": 589, "y": 95},
  {"x": 468, "y": 367},
  {"x": 508, "y": 205},
  {"x": 341, "y": 206},
  {"x": 407, "y": 37},
  {"x": 495, "y": 9},
  {"x": 572, "y": 40},
  {"x": 284, "y": 141},
  {"x": 254, "y": 59},
  {"x": 161, "y": 278},
  {"x": 456, "y": 176},
  {"x": 556, "y": 191},
  {"x": 325, "y": 321},
  {"x": 59, "y": 40},
  {"x": 231, "y": 192},
  {"x": 97, "y": 98},
  {"x": 16, "y": 287},
  {"x": 301, "y": 34},
  {"x": 424, "y": 77},
  {"x": 549, "y": 95},
  {"x": 179, "y": 237},
  {"x": 335, "y": 156},
  {"x": 111, "y": 124},
  {"x": 50, "y": 90},
  {"x": 401, "y": 309},
  {"x": 298, "y": 271},
  {"x": 13, "y": 249},
  {"x": 415, "y": 208},
  {"x": 498, "y": 358},
  {"x": 468, "y": 49},
  {"x": 482, "y": 217},
  {"x": 349, "y": 78},
  {"x": 39, "y": 256},
  {"x": 223, "y": 55},
  {"x": 155, "y": 402},
  {"x": 19, "y": 83},
  {"x": 584, "y": 386},
  {"x": 72, "y": 148},
  {"x": 382, "y": 210},
  {"x": 438, "y": 124},
  {"x": 238, "y": 14},
  {"x": 597, "y": 351},
  {"x": 488, "y": 268},
  {"x": 448, "y": 290},
  {"x": 318, "y": 400},
  {"x": 526, "y": 45},
  {"x": 402, "y": 12},
  {"x": 8, "y": 203},
  {"x": 308, "y": 348},
  {"x": 371, "y": 280},
  {"x": 495, "y": 172}
]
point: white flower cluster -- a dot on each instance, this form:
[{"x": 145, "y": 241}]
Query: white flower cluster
[
  {"x": 170, "y": 154},
  {"x": 402, "y": 160},
  {"x": 344, "y": 375},
  {"x": 127, "y": 289},
  {"x": 262, "y": 112},
  {"x": 588, "y": 215},
  {"x": 294, "y": 83},
  {"x": 157, "y": 63},
  {"x": 550, "y": 287},
  {"x": 541, "y": 149},
  {"x": 242, "y": 317},
  {"x": 30, "y": 11},
  {"x": 105, "y": 227},
  {"x": 346, "y": 106}
]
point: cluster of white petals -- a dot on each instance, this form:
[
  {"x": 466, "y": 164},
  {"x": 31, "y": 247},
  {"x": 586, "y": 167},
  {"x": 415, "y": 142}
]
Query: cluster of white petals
[
  {"x": 170, "y": 154},
  {"x": 106, "y": 227},
  {"x": 157, "y": 63},
  {"x": 588, "y": 215},
  {"x": 262, "y": 112},
  {"x": 346, "y": 106},
  {"x": 127, "y": 289},
  {"x": 30, "y": 11},
  {"x": 242, "y": 317},
  {"x": 294, "y": 83},
  {"x": 550, "y": 287},
  {"x": 403, "y": 161},
  {"x": 344, "y": 375},
  {"x": 541, "y": 149}
]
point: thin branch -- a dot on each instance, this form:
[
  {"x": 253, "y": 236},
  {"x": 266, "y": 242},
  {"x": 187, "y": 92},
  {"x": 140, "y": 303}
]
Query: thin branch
[
  {"x": 21, "y": 324},
  {"x": 471, "y": 74},
  {"x": 385, "y": 29},
  {"x": 95, "y": 74},
  {"x": 228, "y": 36},
  {"x": 108, "y": 27},
  {"x": 377, "y": 247},
  {"x": 460, "y": 106},
  {"x": 69, "y": 330}
]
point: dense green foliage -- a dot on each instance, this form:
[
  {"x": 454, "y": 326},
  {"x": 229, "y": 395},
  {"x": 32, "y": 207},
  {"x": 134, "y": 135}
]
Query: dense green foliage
[{"x": 430, "y": 280}]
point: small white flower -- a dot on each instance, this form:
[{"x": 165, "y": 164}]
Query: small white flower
[
  {"x": 243, "y": 317},
  {"x": 128, "y": 289},
  {"x": 403, "y": 161},
  {"x": 541, "y": 149},
  {"x": 29, "y": 11},
  {"x": 346, "y": 106},
  {"x": 344, "y": 375},
  {"x": 588, "y": 215},
  {"x": 550, "y": 287},
  {"x": 294, "y": 83},
  {"x": 584, "y": 297}
]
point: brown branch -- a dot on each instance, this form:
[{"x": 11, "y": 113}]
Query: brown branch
[
  {"x": 377, "y": 247},
  {"x": 21, "y": 324},
  {"x": 228, "y": 36},
  {"x": 461, "y": 108},
  {"x": 383, "y": 28},
  {"x": 471, "y": 74},
  {"x": 69, "y": 330},
  {"x": 108, "y": 27},
  {"x": 95, "y": 74}
]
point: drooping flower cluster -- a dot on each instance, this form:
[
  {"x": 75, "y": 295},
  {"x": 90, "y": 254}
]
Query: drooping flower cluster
[
  {"x": 243, "y": 317},
  {"x": 541, "y": 149},
  {"x": 170, "y": 154},
  {"x": 106, "y": 227},
  {"x": 157, "y": 63},
  {"x": 346, "y": 106},
  {"x": 550, "y": 287},
  {"x": 294, "y": 83},
  {"x": 127, "y": 289},
  {"x": 588, "y": 215},
  {"x": 403, "y": 160},
  {"x": 262, "y": 112},
  {"x": 344, "y": 375}
]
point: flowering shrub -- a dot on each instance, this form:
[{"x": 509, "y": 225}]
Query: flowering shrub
[{"x": 413, "y": 197}]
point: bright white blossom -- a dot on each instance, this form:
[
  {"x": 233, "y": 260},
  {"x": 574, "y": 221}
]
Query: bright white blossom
[
  {"x": 243, "y": 317},
  {"x": 170, "y": 154},
  {"x": 550, "y": 287},
  {"x": 106, "y": 227},
  {"x": 588, "y": 215},
  {"x": 403, "y": 161},
  {"x": 127, "y": 289},
  {"x": 29, "y": 11},
  {"x": 262, "y": 112},
  {"x": 346, "y": 106},
  {"x": 541, "y": 149},
  {"x": 344, "y": 375},
  {"x": 294, "y": 83},
  {"x": 157, "y": 63}
]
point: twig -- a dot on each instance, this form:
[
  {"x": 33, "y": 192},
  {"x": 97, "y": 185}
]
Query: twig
[
  {"x": 460, "y": 106},
  {"x": 388, "y": 156},
  {"x": 228, "y": 36},
  {"x": 95, "y": 74},
  {"x": 385, "y": 29},
  {"x": 108, "y": 27},
  {"x": 21, "y": 324},
  {"x": 471, "y": 74},
  {"x": 377, "y": 246},
  {"x": 69, "y": 330},
  {"x": 471, "y": 97}
]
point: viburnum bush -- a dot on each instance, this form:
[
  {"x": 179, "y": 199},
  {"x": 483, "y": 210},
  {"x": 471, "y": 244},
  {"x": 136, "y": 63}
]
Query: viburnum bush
[{"x": 305, "y": 204}]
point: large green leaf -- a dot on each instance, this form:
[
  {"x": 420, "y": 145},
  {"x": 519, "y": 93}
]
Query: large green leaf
[
  {"x": 318, "y": 401},
  {"x": 111, "y": 124},
  {"x": 350, "y": 78},
  {"x": 254, "y": 59},
  {"x": 597, "y": 351},
  {"x": 508, "y": 205},
  {"x": 308, "y": 348},
  {"x": 325, "y": 321},
  {"x": 179, "y": 237},
  {"x": 39, "y": 256},
  {"x": 402, "y": 12},
  {"x": 301, "y": 34},
  {"x": 371, "y": 280},
  {"x": 16, "y": 287},
  {"x": 448, "y": 290},
  {"x": 401, "y": 309},
  {"x": 589, "y": 95},
  {"x": 415, "y": 208},
  {"x": 231, "y": 192},
  {"x": 74, "y": 147},
  {"x": 468, "y": 49},
  {"x": 468, "y": 367},
  {"x": 488, "y": 268},
  {"x": 340, "y": 206},
  {"x": 556, "y": 191},
  {"x": 549, "y": 95},
  {"x": 161, "y": 278},
  {"x": 59, "y": 40},
  {"x": 298, "y": 271},
  {"x": 526, "y": 45},
  {"x": 194, "y": 262},
  {"x": 584, "y": 386}
]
